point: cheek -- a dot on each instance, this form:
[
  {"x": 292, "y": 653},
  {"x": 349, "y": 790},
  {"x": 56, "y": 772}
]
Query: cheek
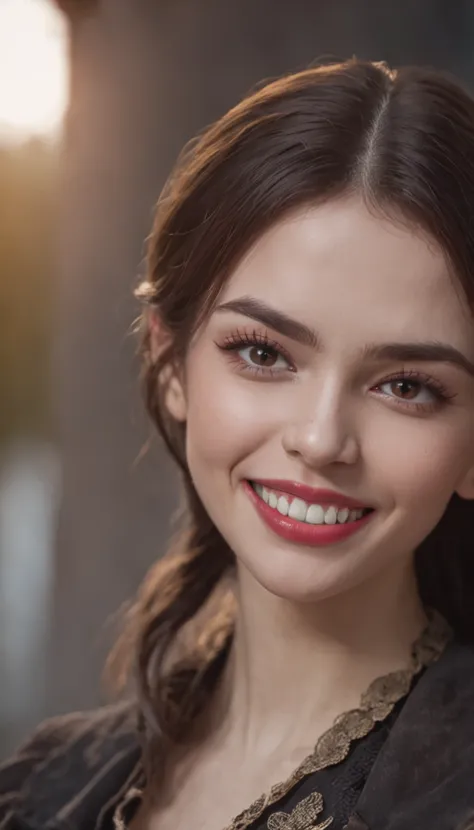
[
  {"x": 228, "y": 421},
  {"x": 421, "y": 461},
  {"x": 228, "y": 416}
]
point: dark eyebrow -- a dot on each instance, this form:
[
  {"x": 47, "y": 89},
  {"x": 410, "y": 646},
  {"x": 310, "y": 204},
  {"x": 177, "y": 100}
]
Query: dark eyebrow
[
  {"x": 257, "y": 310},
  {"x": 432, "y": 352}
]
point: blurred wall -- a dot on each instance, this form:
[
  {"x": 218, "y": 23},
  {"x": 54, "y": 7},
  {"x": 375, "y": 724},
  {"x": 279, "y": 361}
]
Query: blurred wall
[
  {"x": 28, "y": 459},
  {"x": 146, "y": 75}
]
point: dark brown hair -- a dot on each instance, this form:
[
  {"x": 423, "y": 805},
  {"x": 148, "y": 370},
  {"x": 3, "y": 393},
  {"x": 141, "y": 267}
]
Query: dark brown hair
[{"x": 404, "y": 141}]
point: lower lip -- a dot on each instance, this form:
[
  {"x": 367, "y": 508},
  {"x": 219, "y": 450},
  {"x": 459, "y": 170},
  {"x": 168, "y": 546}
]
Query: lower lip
[{"x": 301, "y": 532}]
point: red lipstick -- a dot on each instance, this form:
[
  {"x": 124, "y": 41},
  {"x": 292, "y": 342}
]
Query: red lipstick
[{"x": 316, "y": 535}]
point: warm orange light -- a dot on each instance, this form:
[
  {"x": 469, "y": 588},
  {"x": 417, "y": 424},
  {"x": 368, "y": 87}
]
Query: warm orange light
[{"x": 33, "y": 68}]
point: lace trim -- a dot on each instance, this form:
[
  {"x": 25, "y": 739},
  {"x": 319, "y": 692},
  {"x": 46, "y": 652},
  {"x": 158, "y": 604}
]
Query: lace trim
[
  {"x": 376, "y": 704},
  {"x": 303, "y": 817}
]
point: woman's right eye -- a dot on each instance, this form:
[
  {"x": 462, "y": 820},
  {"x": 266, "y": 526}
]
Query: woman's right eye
[
  {"x": 263, "y": 357},
  {"x": 256, "y": 353}
]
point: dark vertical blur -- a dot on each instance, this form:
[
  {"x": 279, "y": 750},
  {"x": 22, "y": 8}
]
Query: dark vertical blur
[{"x": 146, "y": 75}]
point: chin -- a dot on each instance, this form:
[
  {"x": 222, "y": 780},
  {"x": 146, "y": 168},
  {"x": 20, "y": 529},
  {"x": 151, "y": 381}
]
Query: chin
[{"x": 296, "y": 583}]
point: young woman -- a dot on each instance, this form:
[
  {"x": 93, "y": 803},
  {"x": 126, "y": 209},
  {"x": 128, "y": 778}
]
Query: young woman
[{"x": 302, "y": 655}]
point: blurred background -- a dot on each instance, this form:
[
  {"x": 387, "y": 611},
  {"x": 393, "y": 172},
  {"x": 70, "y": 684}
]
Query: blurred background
[{"x": 97, "y": 97}]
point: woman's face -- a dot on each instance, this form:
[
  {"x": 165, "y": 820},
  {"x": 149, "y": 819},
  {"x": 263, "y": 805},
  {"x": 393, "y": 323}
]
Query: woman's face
[{"x": 339, "y": 357}]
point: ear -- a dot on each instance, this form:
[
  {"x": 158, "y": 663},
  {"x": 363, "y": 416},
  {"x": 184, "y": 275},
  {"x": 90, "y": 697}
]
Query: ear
[
  {"x": 171, "y": 377},
  {"x": 175, "y": 397}
]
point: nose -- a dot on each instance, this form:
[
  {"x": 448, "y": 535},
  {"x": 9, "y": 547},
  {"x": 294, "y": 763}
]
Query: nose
[{"x": 326, "y": 434}]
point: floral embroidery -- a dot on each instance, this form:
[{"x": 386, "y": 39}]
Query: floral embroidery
[{"x": 303, "y": 817}]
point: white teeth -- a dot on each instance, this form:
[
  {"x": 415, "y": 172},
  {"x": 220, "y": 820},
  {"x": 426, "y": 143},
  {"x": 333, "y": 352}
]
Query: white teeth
[
  {"x": 298, "y": 510},
  {"x": 342, "y": 515},
  {"x": 330, "y": 516},
  {"x": 315, "y": 515}
]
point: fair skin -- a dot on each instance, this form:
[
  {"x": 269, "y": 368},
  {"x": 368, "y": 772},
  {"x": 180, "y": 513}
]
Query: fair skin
[{"x": 317, "y": 624}]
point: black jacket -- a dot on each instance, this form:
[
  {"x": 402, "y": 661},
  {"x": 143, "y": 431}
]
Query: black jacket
[{"x": 74, "y": 770}]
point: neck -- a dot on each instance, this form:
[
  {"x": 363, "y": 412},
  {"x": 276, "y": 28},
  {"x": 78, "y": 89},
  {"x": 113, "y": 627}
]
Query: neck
[{"x": 295, "y": 667}]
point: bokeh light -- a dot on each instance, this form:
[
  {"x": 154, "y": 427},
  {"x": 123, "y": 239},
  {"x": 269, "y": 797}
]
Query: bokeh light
[{"x": 33, "y": 69}]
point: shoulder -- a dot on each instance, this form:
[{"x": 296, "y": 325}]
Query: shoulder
[
  {"x": 423, "y": 774},
  {"x": 64, "y": 755}
]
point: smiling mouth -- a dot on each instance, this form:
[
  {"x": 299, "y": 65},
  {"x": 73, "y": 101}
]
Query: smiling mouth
[{"x": 308, "y": 513}]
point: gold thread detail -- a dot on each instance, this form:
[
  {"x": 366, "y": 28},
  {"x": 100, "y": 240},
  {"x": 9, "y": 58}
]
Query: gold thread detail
[
  {"x": 303, "y": 816},
  {"x": 333, "y": 746}
]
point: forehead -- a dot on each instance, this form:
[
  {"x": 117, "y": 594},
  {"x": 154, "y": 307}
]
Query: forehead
[{"x": 342, "y": 269}]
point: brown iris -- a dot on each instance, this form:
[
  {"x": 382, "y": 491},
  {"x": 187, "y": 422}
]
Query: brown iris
[
  {"x": 406, "y": 389},
  {"x": 262, "y": 356}
]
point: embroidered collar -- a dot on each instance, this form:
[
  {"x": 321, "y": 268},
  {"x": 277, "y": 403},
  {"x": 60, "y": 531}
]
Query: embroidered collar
[{"x": 334, "y": 745}]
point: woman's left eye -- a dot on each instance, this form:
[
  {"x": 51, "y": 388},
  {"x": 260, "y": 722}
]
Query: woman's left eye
[{"x": 410, "y": 390}]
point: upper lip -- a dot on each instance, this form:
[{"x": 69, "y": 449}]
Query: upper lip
[{"x": 312, "y": 495}]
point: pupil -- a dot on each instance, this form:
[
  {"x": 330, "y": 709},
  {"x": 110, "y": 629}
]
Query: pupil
[
  {"x": 406, "y": 388},
  {"x": 262, "y": 356}
]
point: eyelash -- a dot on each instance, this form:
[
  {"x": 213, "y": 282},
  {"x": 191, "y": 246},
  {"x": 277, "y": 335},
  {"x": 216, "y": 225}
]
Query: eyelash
[
  {"x": 434, "y": 386},
  {"x": 238, "y": 340}
]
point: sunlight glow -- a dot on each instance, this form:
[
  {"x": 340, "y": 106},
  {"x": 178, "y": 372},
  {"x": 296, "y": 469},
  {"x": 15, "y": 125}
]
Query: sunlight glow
[{"x": 33, "y": 68}]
